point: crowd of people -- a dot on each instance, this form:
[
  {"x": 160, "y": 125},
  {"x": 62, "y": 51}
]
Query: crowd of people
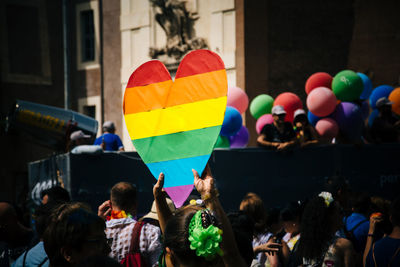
[
  {"x": 281, "y": 134},
  {"x": 337, "y": 227}
]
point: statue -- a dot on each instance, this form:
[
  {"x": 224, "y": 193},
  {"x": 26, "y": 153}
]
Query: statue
[{"x": 178, "y": 24}]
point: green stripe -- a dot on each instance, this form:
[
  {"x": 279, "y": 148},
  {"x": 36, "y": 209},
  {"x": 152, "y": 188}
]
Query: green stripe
[{"x": 177, "y": 145}]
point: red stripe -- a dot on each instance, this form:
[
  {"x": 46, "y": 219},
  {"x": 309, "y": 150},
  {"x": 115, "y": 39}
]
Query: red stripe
[
  {"x": 199, "y": 61},
  {"x": 150, "y": 72}
]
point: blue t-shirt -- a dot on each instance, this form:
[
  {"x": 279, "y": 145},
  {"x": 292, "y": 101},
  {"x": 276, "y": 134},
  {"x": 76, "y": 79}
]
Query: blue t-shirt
[
  {"x": 384, "y": 251},
  {"x": 35, "y": 256},
  {"x": 360, "y": 232},
  {"x": 113, "y": 142}
]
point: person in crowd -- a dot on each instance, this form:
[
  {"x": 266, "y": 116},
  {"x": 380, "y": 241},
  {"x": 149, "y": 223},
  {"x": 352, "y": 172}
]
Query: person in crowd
[
  {"x": 253, "y": 206},
  {"x": 193, "y": 236},
  {"x": 386, "y": 127},
  {"x": 305, "y": 132},
  {"x": 109, "y": 141},
  {"x": 73, "y": 235},
  {"x": 243, "y": 229},
  {"x": 291, "y": 221},
  {"x": 152, "y": 216},
  {"x": 339, "y": 187},
  {"x": 78, "y": 138},
  {"x": 356, "y": 225},
  {"x": 120, "y": 225},
  {"x": 37, "y": 256},
  {"x": 280, "y": 134},
  {"x": 15, "y": 238},
  {"x": 386, "y": 252},
  {"x": 319, "y": 245},
  {"x": 55, "y": 194}
]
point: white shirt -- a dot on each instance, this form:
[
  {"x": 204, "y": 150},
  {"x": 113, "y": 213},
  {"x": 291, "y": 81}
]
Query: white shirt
[{"x": 120, "y": 230}]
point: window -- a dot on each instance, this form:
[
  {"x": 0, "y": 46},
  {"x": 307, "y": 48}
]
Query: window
[
  {"x": 87, "y": 33},
  {"x": 25, "y": 47},
  {"x": 87, "y": 36},
  {"x": 90, "y": 111}
]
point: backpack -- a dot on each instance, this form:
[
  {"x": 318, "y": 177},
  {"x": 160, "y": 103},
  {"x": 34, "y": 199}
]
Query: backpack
[
  {"x": 350, "y": 233},
  {"x": 134, "y": 258}
]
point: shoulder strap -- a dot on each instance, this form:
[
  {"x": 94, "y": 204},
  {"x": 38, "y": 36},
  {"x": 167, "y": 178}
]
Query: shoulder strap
[
  {"x": 394, "y": 256},
  {"x": 43, "y": 262},
  {"x": 135, "y": 246},
  {"x": 23, "y": 262},
  {"x": 358, "y": 224}
]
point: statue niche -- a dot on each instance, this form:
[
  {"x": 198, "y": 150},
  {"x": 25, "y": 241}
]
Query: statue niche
[{"x": 178, "y": 23}]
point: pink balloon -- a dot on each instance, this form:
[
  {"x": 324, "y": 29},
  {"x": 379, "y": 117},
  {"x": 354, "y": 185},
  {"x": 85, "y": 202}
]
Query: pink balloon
[
  {"x": 238, "y": 99},
  {"x": 321, "y": 101},
  {"x": 290, "y": 102},
  {"x": 262, "y": 121},
  {"x": 327, "y": 128}
]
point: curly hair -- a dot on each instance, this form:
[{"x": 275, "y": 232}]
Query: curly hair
[
  {"x": 317, "y": 228},
  {"x": 253, "y": 206}
]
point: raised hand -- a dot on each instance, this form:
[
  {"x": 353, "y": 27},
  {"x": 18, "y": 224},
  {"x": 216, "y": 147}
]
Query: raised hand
[
  {"x": 205, "y": 185},
  {"x": 158, "y": 187},
  {"x": 104, "y": 209}
]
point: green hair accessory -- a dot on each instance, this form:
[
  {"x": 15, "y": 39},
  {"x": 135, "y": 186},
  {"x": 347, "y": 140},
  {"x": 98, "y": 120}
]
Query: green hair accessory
[{"x": 204, "y": 236}]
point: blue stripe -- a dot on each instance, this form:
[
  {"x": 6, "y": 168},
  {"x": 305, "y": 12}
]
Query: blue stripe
[{"x": 179, "y": 171}]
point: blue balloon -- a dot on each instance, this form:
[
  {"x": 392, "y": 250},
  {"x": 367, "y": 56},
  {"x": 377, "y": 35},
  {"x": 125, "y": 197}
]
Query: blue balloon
[
  {"x": 380, "y": 91},
  {"x": 367, "y": 86},
  {"x": 313, "y": 119},
  {"x": 374, "y": 114},
  {"x": 232, "y": 122}
]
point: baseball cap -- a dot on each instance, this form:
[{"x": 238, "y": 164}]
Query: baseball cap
[
  {"x": 109, "y": 125},
  {"x": 153, "y": 212},
  {"x": 278, "y": 110},
  {"x": 78, "y": 135},
  {"x": 383, "y": 101},
  {"x": 299, "y": 112}
]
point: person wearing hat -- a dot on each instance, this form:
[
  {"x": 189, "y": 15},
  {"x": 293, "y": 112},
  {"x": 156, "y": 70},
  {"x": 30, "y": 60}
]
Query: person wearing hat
[
  {"x": 386, "y": 127},
  {"x": 152, "y": 216},
  {"x": 78, "y": 138},
  {"x": 305, "y": 132},
  {"x": 109, "y": 141},
  {"x": 279, "y": 134}
]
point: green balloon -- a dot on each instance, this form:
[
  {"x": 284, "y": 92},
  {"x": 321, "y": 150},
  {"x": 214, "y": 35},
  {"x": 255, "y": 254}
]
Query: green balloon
[
  {"x": 261, "y": 105},
  {"x": 222, "y": 142},
  {"x": 347, "y": 86}
]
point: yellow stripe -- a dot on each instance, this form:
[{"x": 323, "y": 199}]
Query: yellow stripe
[{"x": 186, "y": 117}]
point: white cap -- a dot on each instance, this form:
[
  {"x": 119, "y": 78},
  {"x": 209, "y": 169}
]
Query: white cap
[
  {"x": 109, "y": 125},
  {"x": 278, "y": 110},
  {"x": 299, "y": 112},
  {"x": 383, "y": 101},
  {"x": 78, "y": 135}
]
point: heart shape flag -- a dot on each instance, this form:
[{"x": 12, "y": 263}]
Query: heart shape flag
[{"x": 174, "y": 124}]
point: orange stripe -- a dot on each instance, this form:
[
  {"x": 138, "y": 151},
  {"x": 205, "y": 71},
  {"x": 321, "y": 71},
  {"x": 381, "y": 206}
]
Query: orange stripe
[
  {"x": 146, "y": 98},
  {"x": 184, "y": 91}
]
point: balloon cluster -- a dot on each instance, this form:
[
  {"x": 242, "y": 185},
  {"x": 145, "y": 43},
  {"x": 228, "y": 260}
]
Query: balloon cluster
[
  {"x": 233, "y": 134},
  {"x": 261, "y": 106},
  {"x": 343, "y": 102}
]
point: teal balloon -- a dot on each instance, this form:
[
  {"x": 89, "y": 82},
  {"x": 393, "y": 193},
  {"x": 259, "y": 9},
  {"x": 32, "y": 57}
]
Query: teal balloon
[
  {"x": 222, "y": 142},
  {"x": 261, "y": 105},
  {"x": 347, "y": 86}
]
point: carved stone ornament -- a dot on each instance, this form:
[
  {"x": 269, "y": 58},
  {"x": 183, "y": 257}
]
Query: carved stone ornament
[{"x": 178, "y": 23}]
